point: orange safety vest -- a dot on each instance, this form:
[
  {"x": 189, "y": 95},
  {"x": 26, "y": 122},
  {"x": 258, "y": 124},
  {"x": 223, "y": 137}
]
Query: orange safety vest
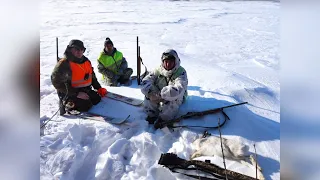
[{"x": 79, "y": 72}]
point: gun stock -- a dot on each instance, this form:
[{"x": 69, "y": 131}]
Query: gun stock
[{"x": 171, "y": 161}]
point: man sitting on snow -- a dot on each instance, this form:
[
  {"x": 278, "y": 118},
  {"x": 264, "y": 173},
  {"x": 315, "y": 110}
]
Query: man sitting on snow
[
  {"x": 113, "y": 66},
  {"x": 165, "y": 89},
  {"x": 73, "y": 77}
]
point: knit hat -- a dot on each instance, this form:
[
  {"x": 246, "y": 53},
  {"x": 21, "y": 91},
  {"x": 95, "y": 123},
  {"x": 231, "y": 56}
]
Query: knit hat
[{"x": 108, "y": 41}]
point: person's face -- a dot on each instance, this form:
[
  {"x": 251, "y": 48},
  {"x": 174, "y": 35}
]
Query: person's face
[
  {"x": 77, "y": 52},
  {"x": 168, "y": 64},
  {"x": 109, "y": 47}
]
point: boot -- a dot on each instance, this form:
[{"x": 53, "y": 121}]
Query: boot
[
  {"x": 127, "y": 73},
  {"x": 151, "y": 120},
  {"x": 158, "y": 124},
  {"x": 112, "y": 82},
  {"x": 126, "y": 82},
  {"x": 125, "y": 77}
]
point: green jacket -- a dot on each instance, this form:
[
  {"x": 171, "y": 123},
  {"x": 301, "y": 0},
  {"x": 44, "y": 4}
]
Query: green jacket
[{"x": 110, "y": 65}]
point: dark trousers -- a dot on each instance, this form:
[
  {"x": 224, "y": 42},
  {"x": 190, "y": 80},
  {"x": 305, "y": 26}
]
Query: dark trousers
[
  {"x": 122, "y": 78},
  {"x": 83, "y": 105}
]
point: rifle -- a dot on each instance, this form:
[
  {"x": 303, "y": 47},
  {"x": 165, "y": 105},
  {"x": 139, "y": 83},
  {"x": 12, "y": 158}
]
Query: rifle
[
  {"x": 172, "y": 161},
  {"x": 61, "y": 109},
  {"x": 61, "y": 97},
  {"x": 195, "y": 114},
  {"x": 138, "y": 62}
]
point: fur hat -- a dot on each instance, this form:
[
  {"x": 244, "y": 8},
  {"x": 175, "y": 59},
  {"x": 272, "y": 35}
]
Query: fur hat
[
  {"x": 76, "y": 43},
  {"x": 171, "y": 55}
]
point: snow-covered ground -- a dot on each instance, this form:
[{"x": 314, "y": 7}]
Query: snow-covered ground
[{"x": 230, "y": 51}]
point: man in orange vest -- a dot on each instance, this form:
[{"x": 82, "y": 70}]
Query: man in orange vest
[{"x": 73, "y": 77}]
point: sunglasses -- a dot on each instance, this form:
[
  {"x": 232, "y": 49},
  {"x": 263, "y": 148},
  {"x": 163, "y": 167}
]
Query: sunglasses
[{"x": 79, "y": 49}]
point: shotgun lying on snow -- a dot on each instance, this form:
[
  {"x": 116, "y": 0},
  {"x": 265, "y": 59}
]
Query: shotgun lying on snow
[
  {"x": 173, "y": 162},
  {"x": 194, "y": 114}
]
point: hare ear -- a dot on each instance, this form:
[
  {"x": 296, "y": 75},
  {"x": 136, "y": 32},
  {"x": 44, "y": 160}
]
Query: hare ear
[{"x": 195, "y": 155}]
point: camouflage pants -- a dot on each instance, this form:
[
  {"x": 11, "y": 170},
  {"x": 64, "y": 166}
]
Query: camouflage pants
[
  {"x": 165, "y": 110},
  {"x": 121, "y": 78}
]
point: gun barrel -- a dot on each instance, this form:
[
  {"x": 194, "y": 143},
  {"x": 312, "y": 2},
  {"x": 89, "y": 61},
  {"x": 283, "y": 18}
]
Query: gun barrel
[
  {"x": 193, "y": 114},
  {"x": 234, "y": 105},
  {"x": 57, "y": 48},
  {"x": 210, "y": 111}
]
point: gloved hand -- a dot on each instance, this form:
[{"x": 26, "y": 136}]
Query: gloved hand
[
  {"x": 83, "y": 95},
  {"x": 116, "y": 77},
  {"x": 102, "y": 92},
  {"x": 120, "y": 71}
]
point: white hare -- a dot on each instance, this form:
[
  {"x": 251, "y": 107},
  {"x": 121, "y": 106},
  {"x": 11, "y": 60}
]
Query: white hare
[{"x": 232, "y": 149}]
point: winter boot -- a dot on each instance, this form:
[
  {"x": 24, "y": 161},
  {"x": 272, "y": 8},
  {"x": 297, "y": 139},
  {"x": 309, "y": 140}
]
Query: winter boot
[
  {"x": 111, "y": 82},
  {"x": 158, "y": 123},
  {"x": 125, "y": 77},
  {"x": 151, "y": 120},
  {"x": 126, "y": 82},
  {"x": 127, "y": 73},
  {"x": 69, "y": 106}
]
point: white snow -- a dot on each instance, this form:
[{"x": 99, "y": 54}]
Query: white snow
[{"x": 230, "y": 51}]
